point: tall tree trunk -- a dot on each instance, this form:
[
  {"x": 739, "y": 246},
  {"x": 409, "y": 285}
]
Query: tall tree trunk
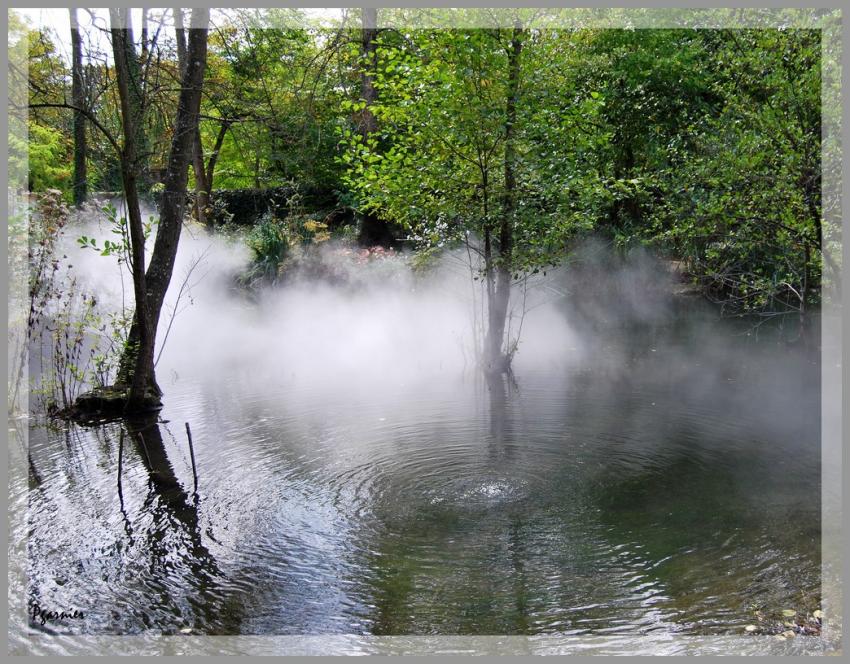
[
  {"x": 158, "y": 275},
  {"x": 145, "y": 43},
  {"x": 202, "y": 202},
  {"x": 372, "y": 229},
  {"x": 500, "y": 292},
  {"x": 130, "y": 117},
  {"x": 210, "y": 171},
  {"x": 368, "y": 124},
  {"x": 120, "y": 19},
  {"x": 202, "y": 187},
  {"x": 180, "y": 33},
  {"x": 78, "y": 97},
  {"x": 219, "y": 141}
]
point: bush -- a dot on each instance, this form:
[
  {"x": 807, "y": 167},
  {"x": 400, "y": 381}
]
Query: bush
[{"x": 269, "y": 246}]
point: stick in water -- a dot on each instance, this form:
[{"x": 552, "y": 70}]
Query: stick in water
[
  {"x": 120, "y": 459},
  {"x": 192, "y": 455}
]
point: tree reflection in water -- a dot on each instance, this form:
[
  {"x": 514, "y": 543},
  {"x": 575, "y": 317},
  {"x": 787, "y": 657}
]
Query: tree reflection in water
[{"x": 169, "y": 530}]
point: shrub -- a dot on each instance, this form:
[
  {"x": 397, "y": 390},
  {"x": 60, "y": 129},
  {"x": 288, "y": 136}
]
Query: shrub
[{"x": 269, "y": 246}]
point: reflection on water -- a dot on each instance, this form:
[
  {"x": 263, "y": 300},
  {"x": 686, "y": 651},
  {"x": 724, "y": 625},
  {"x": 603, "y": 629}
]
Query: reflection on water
[{"x": 621, "y": 495}]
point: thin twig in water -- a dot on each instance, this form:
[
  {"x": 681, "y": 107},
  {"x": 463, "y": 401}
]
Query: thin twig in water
[
  {"x": 192, "y": 456},
  {"x": 524, "y": 311},
  {"x": 120, "y": 460}
]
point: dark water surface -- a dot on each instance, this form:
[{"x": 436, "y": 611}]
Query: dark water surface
[{"x": 657, "y": 485}]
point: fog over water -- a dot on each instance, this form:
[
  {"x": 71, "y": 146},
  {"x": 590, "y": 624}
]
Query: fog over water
[
  {"x": 384, "y": 320},
  {"x": 380, "y": 319}
]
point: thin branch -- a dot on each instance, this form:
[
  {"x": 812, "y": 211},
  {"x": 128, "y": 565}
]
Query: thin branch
[
  {"x": 183, "y": 287},
  {"x": 91, "y": 118}
]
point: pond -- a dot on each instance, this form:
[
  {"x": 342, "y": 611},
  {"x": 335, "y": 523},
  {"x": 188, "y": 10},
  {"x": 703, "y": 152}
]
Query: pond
[{"x": 655, "y": 480}]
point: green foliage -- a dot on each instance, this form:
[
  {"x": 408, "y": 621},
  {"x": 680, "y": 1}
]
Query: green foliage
[
  {"x": 277, "y": 87},
  {"x": 269, "y": 246},
  {"x": 656, "y": 86},
  {"x": 743, "y": 206},
  {"x": 712, "y": 155},
  {"x": 49, "y": 142},
  {"x": 278, "y": 244},
  {"x": 120, "y": 247},
  {"x": 705, "y": 144},
  {"x": 437, "y": 164},
  {"x": 424, "y": 260},
  {"x": 347, "y": 234},
  {"x": 48, "y": 159}
]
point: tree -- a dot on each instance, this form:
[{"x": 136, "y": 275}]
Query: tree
[
  {"x": 499, "y": 286},
  {"x": 369, "y": 61},
  {"x": 480, "y": 144},
  {"x": 128, "y": 79},
  {"x": 136, "y": 100},
  {"x": 79, "y": 100},
  {"x": 203, "y": 184},
  {"x": 150, "y": 286},
  {"x": 372, "y": 229}
]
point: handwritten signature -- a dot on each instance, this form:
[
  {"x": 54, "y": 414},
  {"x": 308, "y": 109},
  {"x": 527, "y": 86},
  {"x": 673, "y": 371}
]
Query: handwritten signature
[{"x": 45, "y": 616}]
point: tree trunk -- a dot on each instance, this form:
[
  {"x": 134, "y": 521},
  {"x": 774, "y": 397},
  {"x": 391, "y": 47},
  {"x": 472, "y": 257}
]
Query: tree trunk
[
  {"x": 145, "y": 34},
  {"x": 136, "y": 100},
  {"x": 209, "y": 174},
  {"x": 158, "y": 275},
  {"x": 368, "y": 124},
  {"x": 372, "y": 229},
  {"x": 78, "y": 97},
  {"x": 219, "y": 141},
  {"x": 180, "y": 33},
  {"x": 202, "y": 188},
  {"x": 498, "y": 293},
  {"x": 142, "y": 375}
]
